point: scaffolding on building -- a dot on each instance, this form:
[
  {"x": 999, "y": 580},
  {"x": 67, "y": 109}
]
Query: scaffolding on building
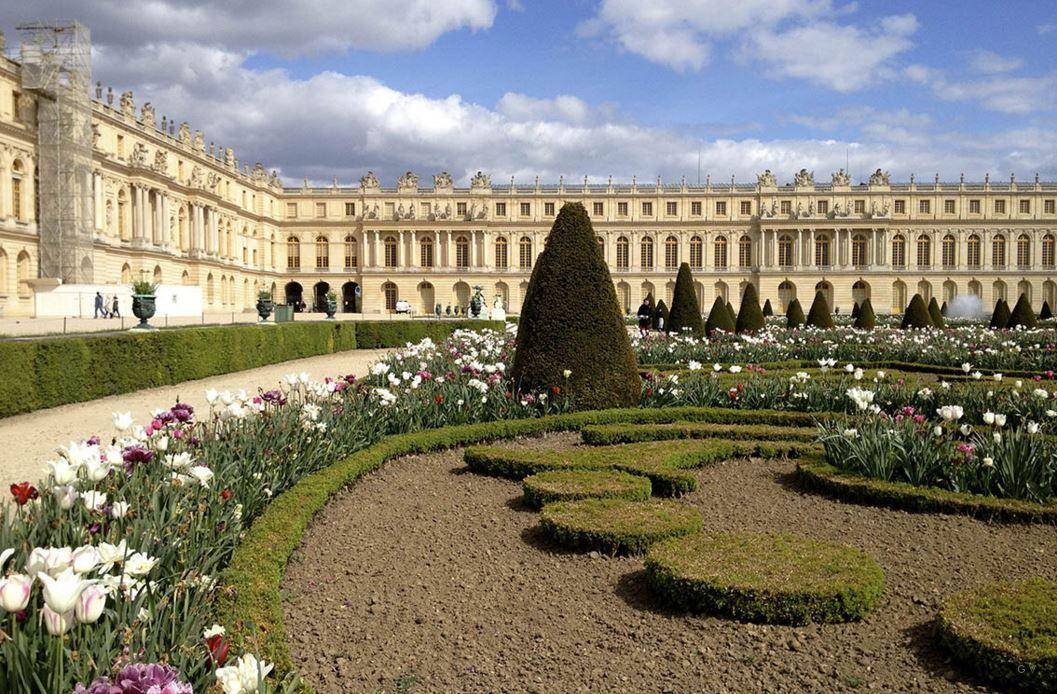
[{"x": 57, "y": 69}]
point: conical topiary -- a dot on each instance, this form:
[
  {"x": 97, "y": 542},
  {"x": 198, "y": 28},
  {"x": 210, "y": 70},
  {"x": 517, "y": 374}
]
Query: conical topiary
[
  {"x": 719, "y": 318},
  {"x": 917, "y": 314},
  {"x": 767, "y": 310},
  {"x": 794, "y": 315},
  {"x": 685, "y": 314},
  {"x": 934, "y": 314},
  {"x": 1022, "y": 315},
  {"x": 750, "y": 317},
  {"x": 943, "y": 309},
  {"x": 855, "y": 309},
  {"x": 866, "y": 319},
  {"x": 1046, "y": 313},
  {"x": 1000, "y": 317},
  {"x": 732, "y": 313},
  {"x": 552, "y": 339},
  {"x": 818, "y": 316},
  {"x": 660, "y": 316}
]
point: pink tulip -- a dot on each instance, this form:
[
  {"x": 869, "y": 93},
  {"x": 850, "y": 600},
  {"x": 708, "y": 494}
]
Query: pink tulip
[
  {"x": 90, "y": 605},
  {"x": 57, "y": 623},
  {"x": 14, "y": 592}
]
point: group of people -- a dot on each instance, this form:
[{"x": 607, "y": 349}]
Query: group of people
[
  {"x": 101, "y": 307},
  {"x": 645, "y": 314}
]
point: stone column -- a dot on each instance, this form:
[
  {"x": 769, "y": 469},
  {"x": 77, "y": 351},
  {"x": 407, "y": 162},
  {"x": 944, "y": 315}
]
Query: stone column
[{"x": 97, "y": 190}]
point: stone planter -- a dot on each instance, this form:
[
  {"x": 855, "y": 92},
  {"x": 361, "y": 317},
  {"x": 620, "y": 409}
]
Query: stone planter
[
  {"x": 331, "y": 307},
  {"x": 264, "y": 308},
  {"x": 143, "y": 308}
]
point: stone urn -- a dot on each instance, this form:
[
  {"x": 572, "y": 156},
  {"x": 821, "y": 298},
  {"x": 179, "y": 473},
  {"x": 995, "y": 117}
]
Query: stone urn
[
  {"x": 330, "y": 306},
  {"x": 264, "y": 308},
  {"x": 143, "y": 308}
]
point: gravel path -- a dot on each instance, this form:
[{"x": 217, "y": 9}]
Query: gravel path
[
  {"x": 28, "y": 440},
  {"x": 424, "y": 577}
]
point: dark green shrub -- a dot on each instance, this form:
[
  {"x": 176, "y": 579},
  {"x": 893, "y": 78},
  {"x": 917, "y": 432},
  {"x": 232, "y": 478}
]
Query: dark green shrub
[
  {"x": 590, "y": 341},
  {"x": 866, "y": 319},
  {"x": 686, "y": 312},
  {"x": 767, "y": 310},
  {"x": 935, "y": 315},
  {"x": 730, "y": 312},
  {"x": 765, "y": 578},
  {"x": 819, "y": 315},
  {"x": 610, "y": 434},
  {"x": 855, "y": 309},
  {"x": 1000, "y": 317},
  {"x": 617, "y": 526},
  {"x": 719, "y": 318},
  {"x": 660, "y": 316},
  {"x": 1022, "y": 315},
  {"x": 570, "y": 485},
  {"x": 943, "y": 309},
  {"x": 750, "y": 317},
  {"x": 794, "y": 315},
  {"x": 1046, "y": 313},
  {"x": 650, "y": 302},
  {"x": 917, "y": 314}
]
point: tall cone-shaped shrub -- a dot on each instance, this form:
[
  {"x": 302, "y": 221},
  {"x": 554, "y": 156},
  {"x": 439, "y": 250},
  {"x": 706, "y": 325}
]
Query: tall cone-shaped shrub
[
  {"x": 767, "y": 310},
  {"x": 855, "y": 309},
  {"x": 935, "y": 315},
  {"x": 660, "y": 316},
  {"x": 917, "y": 314},
  {"x": 1022, "y": 315},
  {"x": 1000, "y": 317},
  {"x": 794, "y": 315},
  {"x": 685, "y": 314},
  {"x": 719, "y": 318},
  {"x": 818, "y": 316},
  {"x": 866, "y": 320},
  {"x": 730, "y": 312},
  {"x": 750, "y": 317},
  {"x": 571, "y": 321},
  {"x": 943, "y": 309},
  {"x": 649, "y": 302},
  {"x": 1046, "y": 313}
]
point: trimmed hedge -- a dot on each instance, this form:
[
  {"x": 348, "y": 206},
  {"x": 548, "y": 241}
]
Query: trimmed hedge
[
  {"x": 866, "y": 320},
  {"x": 1004, "y": 633},
  {"x": 766, "y": 578},
  {"x": 750, "y": 317},
  {"x": 936, "y": 314},
  {"x": 794, "y": 314},
  {"x": 719, "y": 318},
  {"x": 916, "y": 315},
  {"x": 685, "y": 315},
  {"x": 1001, "y": 315},
  {"x": 819, "y": 316},
  {"x": 1022, "y": 315},
  {"x": 35, "y": 374},
  {"x": 571, "y": 485},
  {"x": 609, "y": 434},
  {"x": 618, "y": 526}
]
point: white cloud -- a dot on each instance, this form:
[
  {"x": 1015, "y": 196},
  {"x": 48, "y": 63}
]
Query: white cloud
[
  {"x": 565, "y": 108},
  {"x": 1044, "y": 29},
  {"x": 1002, "y": 93},
  {"x": 990, "y": 63}
]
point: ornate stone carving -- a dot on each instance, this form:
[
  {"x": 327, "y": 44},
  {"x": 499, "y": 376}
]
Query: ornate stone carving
[
  {"x": 275, "y": 181},
  {"x": 197, "y": 177},
  {"x": 766, "y": 179},
  {"x": 212, "y": 181},
  {"x": 409, "y": 181},
  {"x": 229, "y": 157},
  {"x": 128, "y": 108},
  {"x": 184, "y": 135},
  {"x": 841, "y": 178},
  {"x": 879, "y": 178},
  {"x": 480, "y": 181},
  {"x": 373, "y": 212},
  {"x": 200, "y": 141},
  {"x": 161, "y": 161},
  {"x": 138, "y": 156},
  {"x": 259, "y": 175},
  {"x": 482, "y": 212},
  {"x": 147, "y": 115},
  {"x": 369, "y": 182},
  {"x": 447, "y": 212},
  {"x": 399, "y": 212},
  {"x": 804, "y": 178},
  {"x": 96, "y": 134},
  {"x": 442, "y": 180}
]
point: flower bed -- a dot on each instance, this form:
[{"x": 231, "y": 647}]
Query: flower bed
[
  {"x": 617, "y": 526},
  {"x": 571, "y": 485}
]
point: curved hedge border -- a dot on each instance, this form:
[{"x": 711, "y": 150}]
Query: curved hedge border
[
  {"x": 35, "y": 374},
  {"x": 1006, "y": 634},
  {"x": 765, "y": 578},
  {"x": 618, "y": 526},
  {"x": 609, "y": 434},
  {"x": 570, "y": 485},
  {"x": 815, "y": 474}
]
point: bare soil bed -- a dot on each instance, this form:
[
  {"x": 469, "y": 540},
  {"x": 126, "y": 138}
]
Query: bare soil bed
[{"x": 425, "y": 577}]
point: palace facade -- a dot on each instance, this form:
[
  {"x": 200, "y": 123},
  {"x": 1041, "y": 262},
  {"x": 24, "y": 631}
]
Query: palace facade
[{"x": 169, "y": 207}]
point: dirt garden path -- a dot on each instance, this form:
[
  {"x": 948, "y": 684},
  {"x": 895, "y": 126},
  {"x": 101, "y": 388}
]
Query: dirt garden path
[
  {"x": 28, "y": 440},
  {"x": 424, "y": 577}
]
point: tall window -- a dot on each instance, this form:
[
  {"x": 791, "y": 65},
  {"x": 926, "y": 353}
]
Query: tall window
[
  {"x": 899, "y": 251},
  {"x": 822, "y": 248},
  {"x": 501, "y": 255},
  {"x": 1023, "y": 251},
  {"x": 785, "y": 251},
  {"x": 720, "y": 252},
  {"x": 671, "y": 253},
  {"x": 623, "y": 253},
  {"x": 947, "y": 251},
  {"x": 998, "y": 251},
  {"x": 858, "y": 250},
  {"x": 322, "y": 252},
  {"x": 697, "y": 254},
  {"x": 389, "y": 290},
  {"x": 462, "y": 252},
  {"x": 924, "y": 251},
  {"x": 16, "y": 190},
  {"x": 350, "y": 252},
  {"x": 972, "y": 251},
  {"x": 293, "y": 252},
  {"x": 646, "y": 255},
  {"x": 524, "y": 252},
  {"x": 390, "y": 251},
  {"x": 425, "y": 252},
  {"x": 744, "y": 252},
  {"x": 1048, "y": 243}
]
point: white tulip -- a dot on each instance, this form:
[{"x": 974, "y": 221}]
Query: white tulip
[
  {"x": 4, "y": 556},
  {"x": 215, "y": 630},
  {"x": 57, "y": 623},
  {"x": 62, "y": 471},
  {"x": 211, "y": 396},
  {"x": 61, "y": 593},
  {"x": 201, "y": 473},
  {"x": 1033, "y": 427},
  {"x": 90, "y": 605},
  {"x": 85, "y": 559},
  {"x": 139, "y": 564},
  {"x": 15, "y": 591},
  {"x": 989, "y": 417},
  {"x": 97, "y": 470},
  {"x": 989, "y": 462},
  {"x": 93, "y": 500},
  {"x": 119, "y": 509},
  {"x": 1000, "y": 420},
  {"x": 245, "y": 676},
  {"x": 111, "y": 554},
  {"x": 123, "y": 421}
]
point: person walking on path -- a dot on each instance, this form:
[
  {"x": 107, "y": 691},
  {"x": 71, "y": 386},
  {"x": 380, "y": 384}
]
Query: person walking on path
[
  {"x": 115, "y": 311},
  {"x": 644, "y": 319},
  {"x": 99, "y": 306}
]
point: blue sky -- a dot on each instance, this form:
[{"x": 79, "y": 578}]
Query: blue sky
[{"x": 597, "y": 87}]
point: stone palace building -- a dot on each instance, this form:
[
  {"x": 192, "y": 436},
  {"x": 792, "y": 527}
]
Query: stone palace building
[{"x": 161, "y": 203}]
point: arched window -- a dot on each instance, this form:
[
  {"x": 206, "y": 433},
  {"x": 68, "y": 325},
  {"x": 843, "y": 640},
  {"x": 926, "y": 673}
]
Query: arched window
[
  {"x": 1048, "y": 248},
  {"x": 858, "y": 250},
  {"x": 924, "y": 251},
  {"x": 390, "y": 292},
  {"x": 126, "y": 274},
  {"x": 744, "y": 252},
  {"x": 947, "y": 251},
  {"x": 157, "y": 274},
  {"x": 351, "y": 259},
  {"x": 822, "y": 251},
  {"x": 998, "y": 251},
  {"x": 22, "y": 274},
  {"x": 389, "y": 249},
  {"x": 525, "y": 253},
  {"x": 646, "y": 255},
  {"x": 17, "y": 208},
  {"x": 1023, "y": 251},
  {"x": 293, "y": 253},
  {"x": 697, "y": 253},
  {"x": 425, "y": 252},
  {"x": 899, "y": 296},
  {"x": 785, "y": 251},
  {"x": 671, "y": 253},
  {"x": 502, "y": 259},
  {"x": 210, "y": 291},
  {"x": 786, "y": 294},
  {"x": 623, "y": 253},
  {"x": 972, "y": 251},
  {"x": 462, "y": 252},
  {"x": 322, "y": 252},
  {"x": 719, "y": 253},
  {"x": 899, "y": 251}
]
